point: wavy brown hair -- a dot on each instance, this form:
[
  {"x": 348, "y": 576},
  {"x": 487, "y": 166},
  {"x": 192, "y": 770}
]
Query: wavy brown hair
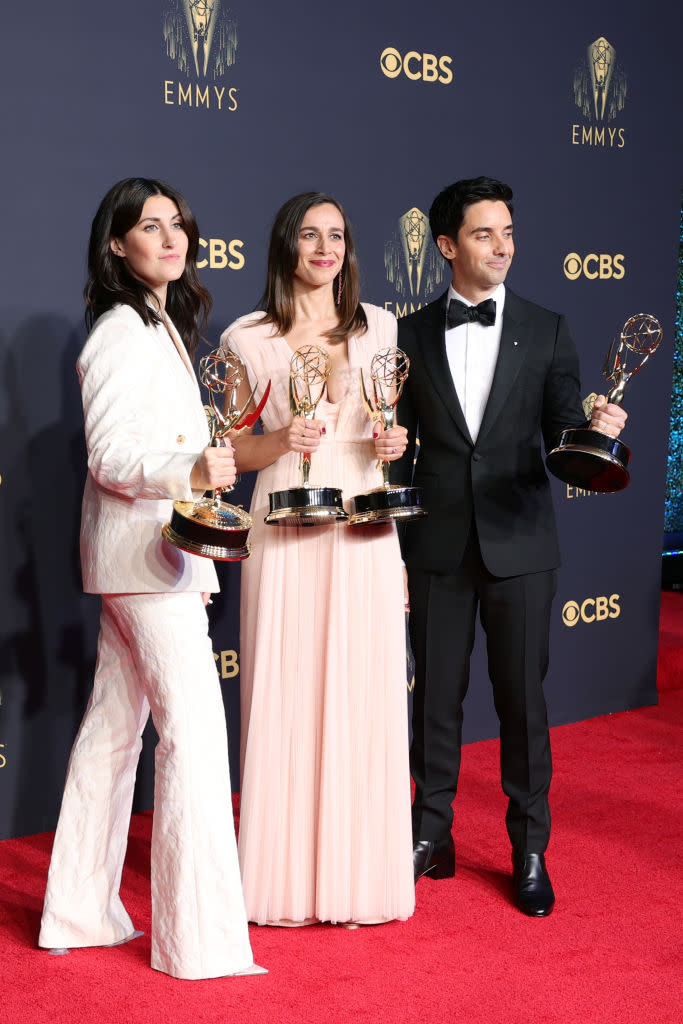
[
  {"x": 283, "y": 259},
  {"x": 110, "y": 282}
]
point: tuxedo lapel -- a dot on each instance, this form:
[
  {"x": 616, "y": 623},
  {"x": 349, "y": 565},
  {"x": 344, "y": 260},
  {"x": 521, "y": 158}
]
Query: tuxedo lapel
[
  {"x": 433, "y": 353},
  {"x": 511, "y": 355}
]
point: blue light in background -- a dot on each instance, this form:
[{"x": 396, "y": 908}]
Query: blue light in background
[{"x": 673, "y": 502}]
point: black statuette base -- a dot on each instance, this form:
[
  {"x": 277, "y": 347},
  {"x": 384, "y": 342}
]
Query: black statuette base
[
  {"x": 306, "y": 506},
  {"x": 202, "y": 528},
  {"x": 591, "y": 460},
  {"x": 385, "y": 504}
]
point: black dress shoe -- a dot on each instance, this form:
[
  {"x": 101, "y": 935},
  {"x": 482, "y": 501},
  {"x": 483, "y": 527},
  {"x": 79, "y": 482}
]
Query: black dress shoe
[
  {"x": 533, "y": 892},
  {"x": 435, "y": 859}
]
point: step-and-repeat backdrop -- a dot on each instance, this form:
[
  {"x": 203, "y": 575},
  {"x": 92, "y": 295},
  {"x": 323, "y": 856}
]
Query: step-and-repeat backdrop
[{"x": 242, "y": 105}]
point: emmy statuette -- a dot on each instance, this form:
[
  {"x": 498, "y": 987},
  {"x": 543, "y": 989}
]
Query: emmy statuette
[
  {"x": 588, "y": 458},
  {"x": 388, "y": 372},
  {"x": 211, "y": 527},
  {"x": 307, "y": 505}
]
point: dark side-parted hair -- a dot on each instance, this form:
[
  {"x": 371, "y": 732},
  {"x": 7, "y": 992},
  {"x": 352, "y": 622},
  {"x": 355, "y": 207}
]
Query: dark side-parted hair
[
  {"x": 110, "y": 282},
  {"x": 283, "y": 259},
  {"x": 447, "y": 212}
]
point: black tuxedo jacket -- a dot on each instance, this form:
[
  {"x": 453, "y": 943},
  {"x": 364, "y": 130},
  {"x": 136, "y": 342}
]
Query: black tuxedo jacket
[{"x": 500, "y": 481}]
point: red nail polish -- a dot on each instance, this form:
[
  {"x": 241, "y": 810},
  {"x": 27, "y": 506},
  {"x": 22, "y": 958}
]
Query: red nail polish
[{"x": 324, "y": 431}]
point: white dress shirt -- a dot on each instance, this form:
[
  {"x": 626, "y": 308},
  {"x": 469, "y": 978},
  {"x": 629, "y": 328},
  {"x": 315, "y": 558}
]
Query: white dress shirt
[{"x": 472, "y": 353}]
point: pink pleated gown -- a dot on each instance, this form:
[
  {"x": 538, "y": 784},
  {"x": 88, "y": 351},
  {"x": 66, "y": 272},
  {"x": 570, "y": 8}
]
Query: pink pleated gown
[{"x": 325, "y": 830}]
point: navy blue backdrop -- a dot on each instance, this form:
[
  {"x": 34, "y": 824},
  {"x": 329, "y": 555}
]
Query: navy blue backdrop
[{"x": 381, "y": 105}]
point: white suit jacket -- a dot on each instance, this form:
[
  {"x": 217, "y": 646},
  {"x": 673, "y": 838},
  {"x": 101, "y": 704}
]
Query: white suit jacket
[{"x": 144, "y": 429}]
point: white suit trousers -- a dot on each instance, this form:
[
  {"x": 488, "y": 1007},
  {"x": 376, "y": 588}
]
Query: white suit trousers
[{"x": 154, "y": 652}]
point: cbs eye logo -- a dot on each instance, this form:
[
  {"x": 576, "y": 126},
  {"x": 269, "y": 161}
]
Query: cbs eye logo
[
  {"x": 594, "y": 266},
  {"x": 593, "y": 609},
  {"x": 416, "y": 66}
]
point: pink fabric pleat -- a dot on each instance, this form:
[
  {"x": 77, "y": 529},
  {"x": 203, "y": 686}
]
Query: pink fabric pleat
[{"x": 325, "y": 828}]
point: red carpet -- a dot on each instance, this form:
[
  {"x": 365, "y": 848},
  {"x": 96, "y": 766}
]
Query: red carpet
[
  {"x": 610, "y": 952},
  {"x": 670, "y": 654}
]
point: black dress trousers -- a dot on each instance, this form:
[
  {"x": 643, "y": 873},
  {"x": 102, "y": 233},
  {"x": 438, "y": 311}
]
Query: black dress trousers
[{"x": 515, "y": 615}]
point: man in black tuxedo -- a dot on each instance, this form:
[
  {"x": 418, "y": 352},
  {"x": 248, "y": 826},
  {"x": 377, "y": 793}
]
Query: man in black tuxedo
[{"x": 492, "y": 376}]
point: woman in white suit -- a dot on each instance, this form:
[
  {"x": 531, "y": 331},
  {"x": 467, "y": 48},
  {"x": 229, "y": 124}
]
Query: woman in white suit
[{"x": 147, "y": 442}]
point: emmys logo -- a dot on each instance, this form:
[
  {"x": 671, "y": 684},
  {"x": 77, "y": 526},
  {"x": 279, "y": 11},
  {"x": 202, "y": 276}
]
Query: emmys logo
[
  {"x": 425, "y": 67},
  {"x": 413, "y": 264},
  {"x": 220, "y": 254},
  {"x": 593, "y": 609},
  {"x": 600, "y": 94},
  {"x": 227, "y": 664},
  {"x": 201, "y": 40},
  {"x": 594, "y": 266},
  {"x": 3, "y": 759},
  {"x": 579, "y": 492}
]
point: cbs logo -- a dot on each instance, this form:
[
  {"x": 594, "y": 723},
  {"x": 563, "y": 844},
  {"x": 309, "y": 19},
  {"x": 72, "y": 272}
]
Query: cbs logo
[
  {"x": 594, "y": 265},
  {"x": 221, "y": 254},
  {"x": 593, "y": 609},
  {"x": 416, "y": 66},
  {"x": 229, "y": 664}
]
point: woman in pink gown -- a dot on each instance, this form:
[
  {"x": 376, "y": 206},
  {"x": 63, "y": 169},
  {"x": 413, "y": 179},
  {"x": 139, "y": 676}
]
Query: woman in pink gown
[{"x": 325, "y": 832}]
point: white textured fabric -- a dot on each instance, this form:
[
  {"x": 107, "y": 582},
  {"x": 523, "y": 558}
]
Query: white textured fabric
[
  {"x": 472, "y": 352},
  {"x": 144, "y": 429},
  {"x": 145, "y": 426},
  {"x": 154, "y": 650}
]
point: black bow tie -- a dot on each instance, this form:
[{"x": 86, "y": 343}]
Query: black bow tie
[{"x": 458, "y": 313}]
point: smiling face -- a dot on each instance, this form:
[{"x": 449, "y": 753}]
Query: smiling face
[
  {"x": 481, "y": 255},
  {"x": 321, "y": 246},
  {"x": 156, "y": 247}
]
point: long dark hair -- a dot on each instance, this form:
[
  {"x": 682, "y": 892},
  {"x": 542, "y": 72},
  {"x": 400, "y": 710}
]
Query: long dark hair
[
  {"x": 283, "y": 259},
  {"x": 110, "y": 282}
]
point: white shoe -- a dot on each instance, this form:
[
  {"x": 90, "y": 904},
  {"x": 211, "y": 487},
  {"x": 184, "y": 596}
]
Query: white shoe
[
  {"x": 62, "y": 951},
  {"x": 253, "y": 969},
  {"x": 133, "y": 935}
]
